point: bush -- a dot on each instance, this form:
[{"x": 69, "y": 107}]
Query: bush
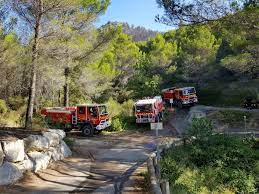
[
  {"x": 218, "y": 164},
  {"x": 3, "y": 107},
  {"x": 127, "y": 108},
  {"x": 121, "y": 115},
  {"x": 230, "y": 117},
  {"x": 39, "y": 123},
  {"x": 117, "y": 124},
  {"x": 114, "y": 108},
  {"x": 200, "y": 128},
  {"x": 69, "y": 141},
  {"x": 16, "y": 102}
]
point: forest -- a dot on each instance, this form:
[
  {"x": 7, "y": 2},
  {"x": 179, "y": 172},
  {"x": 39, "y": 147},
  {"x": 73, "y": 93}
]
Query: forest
[{"x": 52, "y": 49}]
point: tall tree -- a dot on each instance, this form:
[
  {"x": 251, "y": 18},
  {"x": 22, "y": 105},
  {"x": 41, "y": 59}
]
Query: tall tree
[
  {"x": 37, "y": 13},
  {"x": 184, "y": 12}
]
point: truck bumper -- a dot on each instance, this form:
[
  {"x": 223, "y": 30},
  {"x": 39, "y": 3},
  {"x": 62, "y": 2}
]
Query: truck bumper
[
  {"x": 103, "y": 125},
  {"x": 145, "y": 120}
]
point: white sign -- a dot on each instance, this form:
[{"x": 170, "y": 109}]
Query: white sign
[
  {"x": 156, "y": 126},
  {"x": 171, "y": 101}
]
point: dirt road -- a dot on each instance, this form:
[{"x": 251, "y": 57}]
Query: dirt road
[{"x": 102, "y": 164}]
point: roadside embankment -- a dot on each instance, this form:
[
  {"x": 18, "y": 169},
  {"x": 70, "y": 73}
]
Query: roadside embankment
[{"x": 31, "y": 153}]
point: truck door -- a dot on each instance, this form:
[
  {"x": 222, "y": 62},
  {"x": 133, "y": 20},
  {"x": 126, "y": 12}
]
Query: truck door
[
  {"x": 81, "y": 113},
  {"x": 93, "y": 114}
]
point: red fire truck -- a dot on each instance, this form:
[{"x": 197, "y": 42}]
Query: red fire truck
[
  {"x": 180, "y": 96},
  {"x": 89, "y": 119},
  {"x": 149, "y": 110}
]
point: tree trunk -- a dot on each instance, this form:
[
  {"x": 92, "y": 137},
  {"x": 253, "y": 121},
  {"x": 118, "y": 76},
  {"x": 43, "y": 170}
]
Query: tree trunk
[
  {"x": 32, "y": 89},
  {"x": 66, "y": 88},
  {"x": 66, "y": 93}
]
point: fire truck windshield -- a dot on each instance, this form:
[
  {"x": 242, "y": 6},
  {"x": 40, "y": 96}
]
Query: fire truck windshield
[
  {"x": 189, "y": 91},
  {"x": 144, "y": 108},
  {"x": 103, "y": 110}
]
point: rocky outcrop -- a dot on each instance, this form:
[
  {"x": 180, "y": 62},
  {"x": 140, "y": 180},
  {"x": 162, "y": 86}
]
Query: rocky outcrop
[
  {"x": 36, "y": 143},
  {"x": 25, "y": 165},
  {"x": 9, "y": 173},
  {"x": 33, "y": 153},
  {"x": 65, "y": 150},
  {"x": 2, "y": 155},
  {"x": 14, "y": 150},
  {"x": 40, "y": 160},
  {"x": 53, "y": 138}
]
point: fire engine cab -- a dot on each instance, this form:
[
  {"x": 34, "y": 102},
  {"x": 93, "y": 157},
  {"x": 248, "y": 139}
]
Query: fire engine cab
[
  {"x": 149, "y": 110},
  {"x": 89, "y": 119},
  {"x": 180, "y": 96}
]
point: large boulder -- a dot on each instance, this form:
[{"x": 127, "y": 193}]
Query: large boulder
[
  {"x": 25, "y": 165},
  {"x": 9, "y": 174},
  {"x": 36, "y": 143},
  {"x": 54, "y": 138},
  {"x": 2, "y": 155},
  {"x": 56, "y": 154},
  {"x": 41, "y": 160},
  {"x": 65, "y": 150},
  {"x": 14, "y": 150},
  {"x": 58, "y": 131}
]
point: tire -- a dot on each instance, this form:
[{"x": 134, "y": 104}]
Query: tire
[{"x": 87, "y": 130}]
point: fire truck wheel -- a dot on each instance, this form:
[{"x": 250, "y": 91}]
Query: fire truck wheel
[{"x": 87, "y": 130}]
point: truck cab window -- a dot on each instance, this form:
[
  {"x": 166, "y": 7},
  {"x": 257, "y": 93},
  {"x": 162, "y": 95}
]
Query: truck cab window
[
  {"x": 93, "y": 111},
  {"x": 81, "y": 110}
]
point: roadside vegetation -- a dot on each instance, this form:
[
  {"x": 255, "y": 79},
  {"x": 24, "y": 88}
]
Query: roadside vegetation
[
  {"x": 235, "y": 119},
  {"x": 212, "y": 163}
]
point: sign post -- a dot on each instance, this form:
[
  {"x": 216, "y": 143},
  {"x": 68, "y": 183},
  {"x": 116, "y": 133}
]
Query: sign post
[
  {"x": 157, "y": 126},
  {"x": 171, "y": 103},
  {"x": 245, "y": 124}
]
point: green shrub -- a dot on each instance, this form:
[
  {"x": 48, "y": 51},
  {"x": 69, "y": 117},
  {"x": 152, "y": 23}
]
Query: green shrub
[
  {"x": 16, "y": 102},
  {"x": 69, "y": 141},
  {"x": 218, "y": 164},
  {"x": 114, "y": 108},
  {"x": 230, "y": 117},
  {"x": 200, "y": 128},
  {"x": 39, "y": 123},
  {"x": 117, "y": 124},
  {"x": 127, "y": 108},
  {"x": 3, "y": 107}
]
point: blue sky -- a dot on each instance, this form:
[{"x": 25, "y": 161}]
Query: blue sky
[{"x": 136, "y": 12}]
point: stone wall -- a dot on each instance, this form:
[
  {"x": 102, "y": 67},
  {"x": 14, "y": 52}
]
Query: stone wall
[{"x": 32, "y": 153}]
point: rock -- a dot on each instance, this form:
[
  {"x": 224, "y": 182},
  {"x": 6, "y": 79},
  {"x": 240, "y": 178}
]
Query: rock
[
  {"x": 56, "y": 153},
  {"x": 64, "y": 149},
  {"x": 195, "y": 114},
  {"x": 54, "y": 138},
  {"x": 25, "y": 165},
  {"x": 14, "y": 150},
  {"x": 2, "y": 155},
  {"x": 36, "y": 143},
  {"x": 9, "y": 174},
  {"x": 58, "y": 131},
  {"x": 40, "y": 160}
]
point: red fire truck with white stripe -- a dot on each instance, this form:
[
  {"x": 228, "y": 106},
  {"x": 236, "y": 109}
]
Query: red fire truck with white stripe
[
  {"x": 89, "y": 119},
  {"x": 180, "y": 96},
  {"x": 149, "y": 110}
]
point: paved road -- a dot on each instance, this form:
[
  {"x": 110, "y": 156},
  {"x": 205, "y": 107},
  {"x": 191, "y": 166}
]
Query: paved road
[{"x": 102, "y": 164}]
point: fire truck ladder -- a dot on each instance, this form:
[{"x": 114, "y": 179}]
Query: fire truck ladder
[{"x": 74, "y": 119}]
